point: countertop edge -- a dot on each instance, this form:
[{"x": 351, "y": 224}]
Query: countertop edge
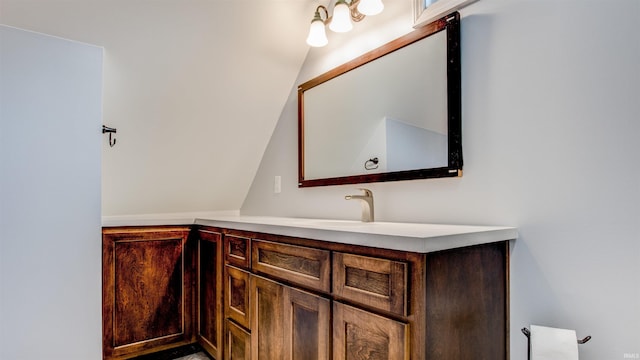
[
  {"x": 295, "y": 227},
  {"x": 391, "y": 242}
]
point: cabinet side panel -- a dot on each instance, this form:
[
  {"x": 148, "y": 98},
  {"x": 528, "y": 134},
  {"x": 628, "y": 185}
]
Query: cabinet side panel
[
  {"x": 466, "y": 303},
  {"x": 210, "y": 292}
]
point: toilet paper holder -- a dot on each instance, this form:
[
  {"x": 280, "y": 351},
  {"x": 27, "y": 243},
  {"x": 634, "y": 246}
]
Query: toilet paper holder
[{"x": 527, "y": 333}]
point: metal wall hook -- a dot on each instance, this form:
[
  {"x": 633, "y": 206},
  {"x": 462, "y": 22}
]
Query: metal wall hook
[{"x": 111, "y": 131}]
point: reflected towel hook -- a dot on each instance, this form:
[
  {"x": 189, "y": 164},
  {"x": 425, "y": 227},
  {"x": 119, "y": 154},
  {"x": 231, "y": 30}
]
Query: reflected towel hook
[
  {"x": 111, "y": 131},
  {"x": 371, "y": 164}
]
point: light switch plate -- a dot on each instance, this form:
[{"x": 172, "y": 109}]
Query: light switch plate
[{"x": 277, "y": 184}]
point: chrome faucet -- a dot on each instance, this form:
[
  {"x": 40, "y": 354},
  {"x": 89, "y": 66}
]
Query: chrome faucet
[{"x": 367, "y": 204}]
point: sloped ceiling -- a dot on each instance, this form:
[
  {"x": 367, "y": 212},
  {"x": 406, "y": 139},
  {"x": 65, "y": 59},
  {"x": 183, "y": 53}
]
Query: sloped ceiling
[{"x": 194, "y": 88}]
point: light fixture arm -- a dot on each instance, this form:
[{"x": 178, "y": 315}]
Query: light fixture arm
[
  {"x": 353, "y": 9},
  {"x": 317, "y": 16},
  {"x": 356, "y": 15}
]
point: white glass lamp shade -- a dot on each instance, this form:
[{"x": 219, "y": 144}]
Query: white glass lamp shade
[
  {"x": 317, "y": 35},
  {"x": 341, "y": 21},
  {"x": 370, "y": 7}
]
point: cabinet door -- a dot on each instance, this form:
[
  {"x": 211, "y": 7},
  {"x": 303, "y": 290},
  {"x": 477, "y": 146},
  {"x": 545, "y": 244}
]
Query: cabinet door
[
  {"x": 309, "y": 321},
  {"x": 147, "y": 290},
  {"x": 236, "y": 296},
  {"x": 361, "y": 335},
  {"x": 267, "y": 328},
  {"x": 287, "y": 323},
  {"x": 210, "y": 292},
  {"x": 238, "y": 343}
]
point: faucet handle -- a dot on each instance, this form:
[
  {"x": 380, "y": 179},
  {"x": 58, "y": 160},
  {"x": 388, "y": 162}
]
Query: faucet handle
[{"x": 367, "y": 192}]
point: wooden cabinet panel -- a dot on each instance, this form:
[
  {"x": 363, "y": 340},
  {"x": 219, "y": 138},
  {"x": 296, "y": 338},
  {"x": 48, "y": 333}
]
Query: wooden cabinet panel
[
  {"x": 309, "y": 318},
  {"x": 267, "y": 328},
  {"x": 210, "y": 324},
  {"x": 236, "y": 296},
  {"x": 237, "y": 251},
  {"x": 238, "y": 343},
  {"x": 148, "y": 290},
  {"x": 301, "y": 265},
  {"x": 371, "y": 281},
  {"x": 467, "y": 306},
  {"x": 359, "y": 304},
  {"x": 361, "y": 335},
  {"x": 147, "y": 293},
  {"x": 287, "y": 323}
]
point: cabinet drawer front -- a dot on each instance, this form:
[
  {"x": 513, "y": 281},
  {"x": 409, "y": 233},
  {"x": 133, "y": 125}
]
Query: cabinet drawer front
[
  {"x": 296, "y": 264},
  {"x": 236, "y": 251},
  {"x": 236, "y": 299},
  {"x": 361, "y": 335},
  {"x": 375, "y": 282}
]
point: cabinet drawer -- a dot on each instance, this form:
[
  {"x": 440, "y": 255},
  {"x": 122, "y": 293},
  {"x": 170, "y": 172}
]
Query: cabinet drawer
[
  {"x": 296, "y": 264},
  {"x": 374, "y": 282},
  {"x": 236, "y": 297},
  {"x": 236, "y": 251}
]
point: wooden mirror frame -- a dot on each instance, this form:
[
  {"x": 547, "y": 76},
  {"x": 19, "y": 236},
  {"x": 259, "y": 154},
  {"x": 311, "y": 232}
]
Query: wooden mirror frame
[{"x": 449, "y": 23}]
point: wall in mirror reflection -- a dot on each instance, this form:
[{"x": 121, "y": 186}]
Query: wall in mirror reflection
[{"x": 393, "y": 109}]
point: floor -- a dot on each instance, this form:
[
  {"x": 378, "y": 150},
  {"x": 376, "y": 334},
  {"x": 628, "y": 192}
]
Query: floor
[
  {"x": 196, "y": 356},
  {"x": 186, "y": 352}
]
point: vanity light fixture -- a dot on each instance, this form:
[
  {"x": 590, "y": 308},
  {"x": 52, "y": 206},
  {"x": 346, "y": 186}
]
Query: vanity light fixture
[{"x": 343, "y": 14}]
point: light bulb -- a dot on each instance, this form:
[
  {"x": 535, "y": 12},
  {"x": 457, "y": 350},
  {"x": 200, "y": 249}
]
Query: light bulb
[
  {"x": 370, "y": 7},
  {"x": 317, "y": 35},
  {"x": 341, "y": 21}
]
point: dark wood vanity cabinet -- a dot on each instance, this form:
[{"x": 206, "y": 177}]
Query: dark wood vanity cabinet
[
  {"x": 147, "y": 290},
  {"x": 245, "y": 295},
  {"x": 306, "y": 299}
]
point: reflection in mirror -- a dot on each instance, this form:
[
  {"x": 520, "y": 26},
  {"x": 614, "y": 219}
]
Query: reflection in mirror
[
  {"x": 392, "y": 114},
  {"x": 370, "y": 123}
]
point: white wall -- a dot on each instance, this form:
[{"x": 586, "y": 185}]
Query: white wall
[
  {"x": 50, "y": 252},
  {"x": 551, "y": 102},
  {"x": 194, "y": 88}
]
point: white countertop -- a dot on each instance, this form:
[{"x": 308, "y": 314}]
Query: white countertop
[{"x": 413, "y": 237}]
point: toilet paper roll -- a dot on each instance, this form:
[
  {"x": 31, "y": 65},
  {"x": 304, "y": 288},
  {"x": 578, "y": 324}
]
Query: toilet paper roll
[{"x": 549, "y": 343}]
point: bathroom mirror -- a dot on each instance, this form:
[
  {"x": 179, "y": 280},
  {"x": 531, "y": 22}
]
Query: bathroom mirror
[{"x": 390, "y": 114}]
